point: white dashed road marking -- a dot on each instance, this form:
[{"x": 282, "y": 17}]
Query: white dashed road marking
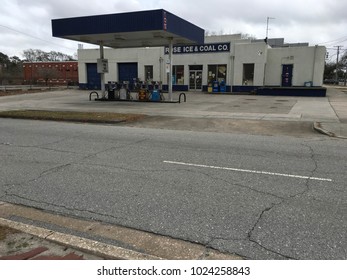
[{"x": 248, "y": 171}]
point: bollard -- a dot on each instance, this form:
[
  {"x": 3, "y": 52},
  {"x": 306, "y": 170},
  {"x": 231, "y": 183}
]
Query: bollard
[
  {"x": 184, "y": 95},
  {"x": 90, "y": 95}
]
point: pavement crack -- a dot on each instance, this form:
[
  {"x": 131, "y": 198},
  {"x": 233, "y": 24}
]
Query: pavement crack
[
  {"x": 279, "y": 200},
  {"x": 112, "y": 148},
  {"x": 312, "y": 172},
  {"x": 7, "y": 189},
  {"x": 313, "y": 158},
  {"x": 60, "y": 167},
  {"x": 216, "y": 239},
  {"x": 39, "y": 147},
  {"x": 48, "y": 235},
  {"x": 50, "y": 170},
  {"x": 250, "y": 232},
  {"x": 267, "y": 209},
  {"x": 56, "y": 150},
  {"x": 287, "y": 199},
  {"x": 272, "y": 251}
]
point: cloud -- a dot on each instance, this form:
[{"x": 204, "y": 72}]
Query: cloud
[{"x": 311, "y": 21}]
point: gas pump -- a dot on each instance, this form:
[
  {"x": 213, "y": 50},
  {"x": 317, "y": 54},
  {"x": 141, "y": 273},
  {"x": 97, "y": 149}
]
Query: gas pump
[
  {"x": 124, "y": 92},
  {"x": 143, "y": 93},
  {"x": 155, "y": 94}
]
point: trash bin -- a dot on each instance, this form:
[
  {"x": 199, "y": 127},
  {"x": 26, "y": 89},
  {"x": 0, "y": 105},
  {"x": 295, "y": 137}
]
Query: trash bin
[
  {"x": 215, "y": 86},
  {"x": 155, "y": 96}
]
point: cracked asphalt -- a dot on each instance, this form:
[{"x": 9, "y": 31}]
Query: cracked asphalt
[{"x": 233, "y": 194}]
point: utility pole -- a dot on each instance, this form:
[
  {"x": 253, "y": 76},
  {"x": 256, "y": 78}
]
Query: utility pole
[{"x": 337, "y": 63}]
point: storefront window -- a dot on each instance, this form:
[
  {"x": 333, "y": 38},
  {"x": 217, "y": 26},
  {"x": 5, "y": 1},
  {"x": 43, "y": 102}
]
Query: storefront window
[
  {"x": 149, "y": 72},
  {"x": 217, "y": 73},
  {"x": 178, "y": 75}
]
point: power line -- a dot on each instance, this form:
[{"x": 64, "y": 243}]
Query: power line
[
  {"x": 344, "y": 38},
  {"x": 34, "y": 37}
]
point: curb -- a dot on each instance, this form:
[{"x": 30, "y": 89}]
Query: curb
[
  {"x": 318, "y": 127},
  {"x": 134, "y": 244},
  {"x": 82, "y": 244},
  {"x": 64, "y": 120}
]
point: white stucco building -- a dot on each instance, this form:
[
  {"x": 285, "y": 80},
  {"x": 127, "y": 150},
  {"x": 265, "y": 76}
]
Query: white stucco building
[{"x": 242, "y": 64}]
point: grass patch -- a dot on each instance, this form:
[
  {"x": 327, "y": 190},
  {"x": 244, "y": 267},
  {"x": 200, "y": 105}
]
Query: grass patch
[{"x": 88, "y": 117}]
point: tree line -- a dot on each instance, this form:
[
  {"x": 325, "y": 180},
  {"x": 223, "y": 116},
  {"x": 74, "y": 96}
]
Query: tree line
[
  {"x": 36, "y": 55},
  {"x": 10, "y": 68}
]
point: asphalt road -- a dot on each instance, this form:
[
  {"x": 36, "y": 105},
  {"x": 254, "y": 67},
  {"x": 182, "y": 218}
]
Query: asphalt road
[{"x": 261, "y": 197}]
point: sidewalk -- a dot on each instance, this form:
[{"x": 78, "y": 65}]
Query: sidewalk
[{"x": 337, "y": 97}]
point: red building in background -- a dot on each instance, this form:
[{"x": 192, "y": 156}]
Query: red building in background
[{"x": 51, "y": 73}]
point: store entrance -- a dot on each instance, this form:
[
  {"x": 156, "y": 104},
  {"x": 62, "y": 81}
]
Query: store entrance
[
  {"x": 287, "y": 75},
  {"x": 195, "y": 78}
]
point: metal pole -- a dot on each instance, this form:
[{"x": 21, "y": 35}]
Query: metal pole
[
  {"x": 267, "y": 27},
  {"x": 102, "y": 75},
  {"x": 337, "y": 64},
  {"x": 170, "y": 71},
  {"x": 160, "y": 70}
]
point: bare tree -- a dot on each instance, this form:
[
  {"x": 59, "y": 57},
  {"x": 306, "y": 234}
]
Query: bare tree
[
  {"x": 36, "y": 55},
  {"x": 29, "y": 55},
  {"x": 248, "y": 36}
]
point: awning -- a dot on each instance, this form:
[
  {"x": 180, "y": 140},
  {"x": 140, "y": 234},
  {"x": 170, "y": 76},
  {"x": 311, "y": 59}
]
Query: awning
[{"x": 129, "y": 30}]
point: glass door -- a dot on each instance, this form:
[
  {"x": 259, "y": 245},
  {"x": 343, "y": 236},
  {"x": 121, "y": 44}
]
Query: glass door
[
  {"x": 195, "y": 78},
  {"x": 198, "y": 80}
]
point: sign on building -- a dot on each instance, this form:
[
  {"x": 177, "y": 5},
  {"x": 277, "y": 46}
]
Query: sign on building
[{"x": 206, "y": 48}]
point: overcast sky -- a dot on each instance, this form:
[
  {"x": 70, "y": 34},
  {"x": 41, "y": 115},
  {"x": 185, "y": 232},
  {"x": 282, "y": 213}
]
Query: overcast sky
[{"x": 26, "y": 24}]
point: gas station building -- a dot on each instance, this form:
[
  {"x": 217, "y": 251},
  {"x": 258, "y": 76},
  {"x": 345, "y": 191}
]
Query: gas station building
[
  {"x": 240, "y": 63},
  {"x": 176, "y": 54}
]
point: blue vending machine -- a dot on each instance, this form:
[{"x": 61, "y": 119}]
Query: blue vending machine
[
  {"x": 222, "y": 86},
  {"x": 215, "y": 86}
]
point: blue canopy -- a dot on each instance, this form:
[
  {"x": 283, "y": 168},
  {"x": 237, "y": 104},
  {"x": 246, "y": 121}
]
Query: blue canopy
[{"x": 127, "y": 30}]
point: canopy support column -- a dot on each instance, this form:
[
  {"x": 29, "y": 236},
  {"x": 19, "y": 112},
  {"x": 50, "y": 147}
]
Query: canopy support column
[
  {"x": 102, "y": 75},
  {"x": 170, "y": 71}
]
